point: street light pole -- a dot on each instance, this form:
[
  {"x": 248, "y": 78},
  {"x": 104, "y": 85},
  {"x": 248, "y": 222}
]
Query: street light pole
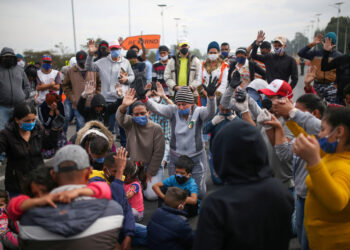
[
  {"x": 162, "y": 6},
  {"x": 312, "y": 29},
  {"x": 75, "y": 42},
  {"x": 129, "y": 18},
  {"x": 177, "y": 19},
  {"x": 337, "y": 6},
  {"x": 318, "y": 20}
]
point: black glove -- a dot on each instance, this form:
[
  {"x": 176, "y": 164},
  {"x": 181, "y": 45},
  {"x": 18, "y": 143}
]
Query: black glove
[
  {"x": 241, "y": 95},
  {"x": 139, "y": 87},
  {"x": 236, "y": 80},
  {"x": 267, "y": 104},
  {"x": 212, "y": 86}
]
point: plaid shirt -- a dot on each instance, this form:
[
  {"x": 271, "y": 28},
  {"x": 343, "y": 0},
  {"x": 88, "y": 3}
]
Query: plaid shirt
[{"x": 163, "y": 122}]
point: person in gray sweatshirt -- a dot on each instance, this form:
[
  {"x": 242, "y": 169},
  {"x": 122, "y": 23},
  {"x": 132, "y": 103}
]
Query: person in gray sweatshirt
[
  {"x": 187, "y": 121},
  {"x": 113, "y": 70},
  {"x": 14, "y": 84}
]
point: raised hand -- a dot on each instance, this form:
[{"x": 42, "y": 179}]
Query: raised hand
[
  {"x": 310, "y": 75},
  {"x": 129, "y": 97},
  {"x": 212, "y": 86},
  {"x": 260, "y": 37},
  {"x": 308, "y": 149},
  {"x": 318, "y": 39},
  {"x": 120, "y": 162},
  {"x": 327, "y": 45},
  {"x": 160, "y": 91},
  {"x": 92, "y": 47},
  {"x": 89, "y": 89},
  {"x": 236, "y": 80}
]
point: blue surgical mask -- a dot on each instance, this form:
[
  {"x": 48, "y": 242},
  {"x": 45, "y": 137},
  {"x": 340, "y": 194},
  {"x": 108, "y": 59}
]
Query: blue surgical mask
[
  {"x": 184, "y": 112},
  {"x": 141, "y": 120},
  {"x": 326, "y": 146},
  {"x": 46, "y": 66},
  {"x": 224, "y": 54},
  {"x": 28, "y": 126},
  {"x": 241, "y": 60},
  {"x": 115, "y": 53},
  {"x": 99, "y": 160}
]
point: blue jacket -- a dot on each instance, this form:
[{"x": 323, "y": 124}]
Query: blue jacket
[
  {"x": 118, "y": 194},
  {"x": 169, "y": 229}
]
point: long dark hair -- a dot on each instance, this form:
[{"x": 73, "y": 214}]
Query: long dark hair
[
  {"x": 22, "y": 110},
  {"x": 136, "y": 171}
]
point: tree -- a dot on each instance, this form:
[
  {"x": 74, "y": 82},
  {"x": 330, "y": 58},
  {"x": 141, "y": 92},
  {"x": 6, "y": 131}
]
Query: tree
[
  {"x": 85, "y": 46},
  {"x": 344, "y": 31},
  {"x": 297, "y": 43},
  {"x": 197, "y": 53},
  {"x": 58, "y": 60}
]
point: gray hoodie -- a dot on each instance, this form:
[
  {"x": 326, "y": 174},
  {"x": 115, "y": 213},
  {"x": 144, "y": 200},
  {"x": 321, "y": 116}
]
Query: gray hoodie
[
  {"x": 14, "y": 85},
  {"x": 109, "y": 71}
]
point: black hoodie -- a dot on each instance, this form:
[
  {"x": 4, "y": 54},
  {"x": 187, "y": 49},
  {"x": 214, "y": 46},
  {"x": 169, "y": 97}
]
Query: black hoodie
[
  {"x": 90, "y": 114},
  {"x": 252, "y": 210}
]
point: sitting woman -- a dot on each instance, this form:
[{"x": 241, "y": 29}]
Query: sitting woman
[{"x": 51, "y": 114}]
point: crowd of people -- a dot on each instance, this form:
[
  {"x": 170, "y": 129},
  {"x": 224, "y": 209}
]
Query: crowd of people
[{"x": 282, "y": 167}]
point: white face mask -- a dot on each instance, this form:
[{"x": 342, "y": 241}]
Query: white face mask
[
  {"x": 164, "y": 58},
  {"x": 156, "y": 98},
  {"x": 21, "y": 64},
  {"x": 213, "y": 57}
]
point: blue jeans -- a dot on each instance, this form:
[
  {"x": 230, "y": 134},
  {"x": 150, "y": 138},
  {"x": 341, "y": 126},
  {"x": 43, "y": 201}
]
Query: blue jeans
[
  {"x": 69, "y": 113},
  {"x": 302, "y": 237},
  {"x": 140, "y": 237},
  {"x": 293, "y": 220},
  {"x": 5, "y": 115}
]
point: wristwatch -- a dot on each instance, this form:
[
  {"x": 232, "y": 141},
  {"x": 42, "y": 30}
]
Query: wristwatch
[{"x": 293, "y": 113}]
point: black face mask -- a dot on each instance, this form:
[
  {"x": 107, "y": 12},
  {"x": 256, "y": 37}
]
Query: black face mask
[
  {"x": 266, "y": 103},
  {"x": 8, "y": 62},
  {"x": 184, "y": 51},
  {"x": 81, "y": 65},
  {"x": 104, "y": 52},
  {"x": 181, "y": 179}
]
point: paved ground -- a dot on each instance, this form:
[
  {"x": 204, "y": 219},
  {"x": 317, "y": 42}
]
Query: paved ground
[{"x": 150, "y": 207}]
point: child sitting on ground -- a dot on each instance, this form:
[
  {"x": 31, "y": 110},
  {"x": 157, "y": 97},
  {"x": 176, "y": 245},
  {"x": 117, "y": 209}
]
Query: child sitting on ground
[
  {"x": 182, "y": 179},
  {"x": 8, "y": 229},
  {"x": 133, "y": 176},
  {"x": 168, "y": 227},
  {"x": 40, "y": 183},
  {"x": 108, "y": 172}
]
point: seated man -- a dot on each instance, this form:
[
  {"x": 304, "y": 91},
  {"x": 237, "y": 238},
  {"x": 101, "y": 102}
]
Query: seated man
[{"x": 80, "y": 224}]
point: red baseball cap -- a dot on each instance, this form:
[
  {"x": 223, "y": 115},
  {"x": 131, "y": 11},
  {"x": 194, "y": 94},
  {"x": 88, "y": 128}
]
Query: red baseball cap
[
  {"x": 114, "y": 44},
  {"x": 278, "y": 87}
]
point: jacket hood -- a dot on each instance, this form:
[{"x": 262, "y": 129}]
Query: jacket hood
[
  {"x": 240, "y": 154},
  {"x": 94, "y": 125},
  {"x": 67, "y": 219},
  {"x": 7, "y": 51},
  {"x": 98, "y": 100}
]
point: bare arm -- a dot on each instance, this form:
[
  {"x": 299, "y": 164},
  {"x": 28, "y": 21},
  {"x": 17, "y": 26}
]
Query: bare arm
[{"x": 156, "y": 189}]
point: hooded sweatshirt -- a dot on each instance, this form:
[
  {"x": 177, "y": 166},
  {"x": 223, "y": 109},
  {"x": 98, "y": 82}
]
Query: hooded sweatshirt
[
  {"x": 14, "y": 84},
  {"x": 90, "y": 114},
  {"x": 257, "y": 213}
]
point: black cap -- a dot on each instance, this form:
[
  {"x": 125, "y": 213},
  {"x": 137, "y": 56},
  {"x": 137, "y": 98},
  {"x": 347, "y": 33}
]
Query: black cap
[
  {"x": 265, "y": 45},
  {"x": 81, "y": 56},
  {"x": 163, "y": 48},
  {"x": 131, "y": 54}
]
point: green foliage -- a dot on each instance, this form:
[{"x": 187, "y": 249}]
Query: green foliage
[
  {"x": 344, "y": 31},
  {"x": 85, "y": 46},
  {"x": 296, "y": 44}
]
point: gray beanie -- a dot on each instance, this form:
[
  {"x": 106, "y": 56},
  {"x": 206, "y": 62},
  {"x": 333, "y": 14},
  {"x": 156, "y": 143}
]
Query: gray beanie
[{"x": 184, "y": 94}]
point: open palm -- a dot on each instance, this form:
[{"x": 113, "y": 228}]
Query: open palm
[
  {"x": 327, "y": 45},
  {"x": 92, "y": 47},
  {"x": 129, "y": 97}
]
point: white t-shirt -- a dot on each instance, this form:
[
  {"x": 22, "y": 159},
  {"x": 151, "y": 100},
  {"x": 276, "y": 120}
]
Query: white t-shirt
[{"x": 46, "y": 79}]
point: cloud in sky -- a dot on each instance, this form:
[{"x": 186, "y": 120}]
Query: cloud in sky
[{"x": 39, "y": 24}]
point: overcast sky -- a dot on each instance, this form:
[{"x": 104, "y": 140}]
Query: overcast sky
[{"x": 40, "y": 24}]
